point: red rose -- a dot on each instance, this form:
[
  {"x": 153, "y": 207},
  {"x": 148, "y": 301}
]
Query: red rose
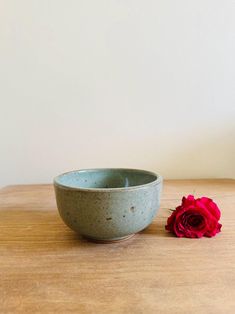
[{"x": 195, "y": 218}]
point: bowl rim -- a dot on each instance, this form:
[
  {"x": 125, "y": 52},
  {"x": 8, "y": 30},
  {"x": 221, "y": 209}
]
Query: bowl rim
[{"x": 157, "y": 181}]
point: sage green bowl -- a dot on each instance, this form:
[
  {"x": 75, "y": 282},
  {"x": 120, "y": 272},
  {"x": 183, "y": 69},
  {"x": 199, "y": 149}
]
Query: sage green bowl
[{"x": 108, "y": 205}]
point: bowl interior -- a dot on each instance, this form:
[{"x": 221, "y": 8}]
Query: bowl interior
[{"x": 105, "y": 178}]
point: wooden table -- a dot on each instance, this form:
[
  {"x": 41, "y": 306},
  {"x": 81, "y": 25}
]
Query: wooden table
[{"x": 47, "y": 268}]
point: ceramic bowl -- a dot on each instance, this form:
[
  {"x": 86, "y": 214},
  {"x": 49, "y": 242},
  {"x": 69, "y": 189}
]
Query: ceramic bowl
[{"x": 108, "y": 204}]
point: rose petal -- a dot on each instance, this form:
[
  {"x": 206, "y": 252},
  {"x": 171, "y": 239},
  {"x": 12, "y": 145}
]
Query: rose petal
[{"x": 211, "y": 206}]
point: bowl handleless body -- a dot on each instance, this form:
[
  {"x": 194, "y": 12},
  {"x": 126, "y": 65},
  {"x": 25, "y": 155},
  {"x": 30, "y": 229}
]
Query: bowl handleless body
[{"x": 108, "y": 214}]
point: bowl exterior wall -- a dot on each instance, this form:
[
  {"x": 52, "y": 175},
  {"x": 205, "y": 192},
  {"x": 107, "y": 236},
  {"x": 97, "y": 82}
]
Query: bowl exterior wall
[{"x": 111, "y": 214}]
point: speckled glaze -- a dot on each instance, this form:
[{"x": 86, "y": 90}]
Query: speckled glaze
[{"x": 108, "y": 204}]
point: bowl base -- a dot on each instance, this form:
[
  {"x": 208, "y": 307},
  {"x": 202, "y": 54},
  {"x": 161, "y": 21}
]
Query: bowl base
[{"x": 114, "y": 240}]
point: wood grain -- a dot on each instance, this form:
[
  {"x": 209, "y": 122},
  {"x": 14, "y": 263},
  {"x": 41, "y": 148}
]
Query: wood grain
[{"x": 47, "y": 268}]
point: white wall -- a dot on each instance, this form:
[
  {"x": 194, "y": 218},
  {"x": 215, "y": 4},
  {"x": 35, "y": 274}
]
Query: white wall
[{"x": 105, "y": 83}]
